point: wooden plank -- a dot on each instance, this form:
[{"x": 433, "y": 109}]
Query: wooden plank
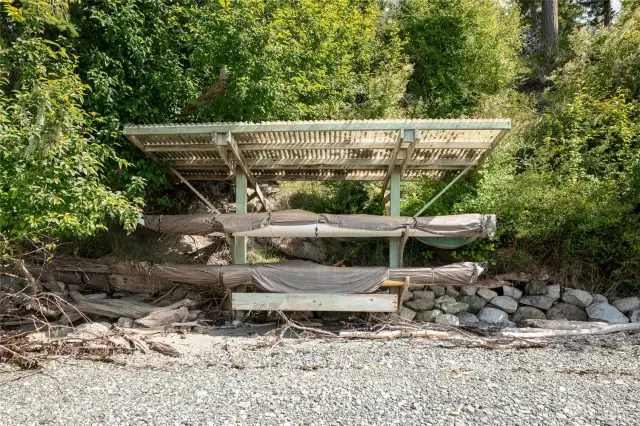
[
  {"x": 314, "y": 302},
  {"x": 316, "y": 126}
]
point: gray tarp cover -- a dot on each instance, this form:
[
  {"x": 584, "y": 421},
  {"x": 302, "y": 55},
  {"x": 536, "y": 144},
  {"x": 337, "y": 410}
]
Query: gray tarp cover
[
  {"x": 298, "y": 276},
  {"x": 463, "y": 225}
]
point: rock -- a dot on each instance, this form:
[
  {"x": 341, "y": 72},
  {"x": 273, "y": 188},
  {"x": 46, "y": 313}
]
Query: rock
[
  {"x": 535, "y": 287},
  {"x": 627, "y": 304},
  {"x": 468, "y": 290},
  {"x": 430, "y": 316},
  {"x": 512, "y": 292},
  {"x": 450, "y": 291},
  {"x": 424, "y": 294},
  {"x": 448, "y": 319},
  {"x": 607, "y": 313},
  {"x": 454, "y": 308},
  {"x": 489, "y": 315},
  {"x": 486, "y": 294},
  {"x": 527, "y": 312},
  {"x": 438, "y": 290},
  {"x": 580, "y": 298},
  {"x": 419, "y": 305},
  {"x": 467, "y": 318},
  {"x": 407, "y": 314},
  {"x": 599, "y": 298},
  {"x": 313, "y": 249},
  {"x": 554, "y": 291},
  {"x": 444, "y": 299},
  {"x": 567, "y": 311},
  {"x": 475, "y": 303},
  {"x": 96, "y": 296},
  {"x": 120, "y": 342},
  {"x": 540, "y": 302},
  {"x": 90, "y": 330},
  {"x": 125, "y": 322},
  {"x": 407, "y": 295},
  {"x": 505, "y": 303},
  {"x": 634, "y": 316}
]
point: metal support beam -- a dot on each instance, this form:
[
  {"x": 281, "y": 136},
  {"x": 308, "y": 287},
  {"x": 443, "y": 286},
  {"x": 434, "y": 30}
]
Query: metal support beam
[
  {"x": 394, "y": 210},
  {"x": 195, "y": 191},
  {"x": 433, "y": 200},
  {"x": 392, "y": 161}
]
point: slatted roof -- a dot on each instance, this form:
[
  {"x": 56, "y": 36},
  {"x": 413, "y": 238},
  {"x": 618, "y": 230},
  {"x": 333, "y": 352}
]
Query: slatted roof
[{"x": 320, "y": 150}]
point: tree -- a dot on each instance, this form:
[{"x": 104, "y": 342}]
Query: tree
[
  {"x": 461, "y": 50},
  {"x": 52, "y": 181},
  {"x": 550, "y": 25}
]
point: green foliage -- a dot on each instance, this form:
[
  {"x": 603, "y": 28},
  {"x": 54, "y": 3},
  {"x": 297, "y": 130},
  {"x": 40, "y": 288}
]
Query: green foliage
[
  {"x": 295, "y": 60},
  {"x": 51, "y": 167},
  {"x": 460, "y": 50}
]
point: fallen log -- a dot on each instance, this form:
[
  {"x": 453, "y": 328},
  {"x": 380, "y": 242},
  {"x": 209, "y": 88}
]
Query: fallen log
[
  {"x": 116, "y": 308},
  {"x": 539, "y": 333},
  {"x": 562, "y": 324},
  {"x": 165, "y": 317},
  {"x": 392, "y": 334}
]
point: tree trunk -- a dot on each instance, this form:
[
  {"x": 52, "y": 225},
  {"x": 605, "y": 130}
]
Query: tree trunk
[
  {"x": 606, "y": 12},
  {"x": 550, "y": 24},
  {"x": 534, "y": 18}
]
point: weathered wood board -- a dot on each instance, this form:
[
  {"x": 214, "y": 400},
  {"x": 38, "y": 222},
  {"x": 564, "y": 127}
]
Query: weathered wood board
[{"x": 314, "y": 302}]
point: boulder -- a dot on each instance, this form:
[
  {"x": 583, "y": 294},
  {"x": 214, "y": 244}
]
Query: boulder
[
  {"x": 443, "y": 300},
  {"x": 567, "y": 311},
  {"x": 419, "y": 305},
  {"x": 447, "y": 319},
  {"x": 424, "y": 294},
  {"x": 606, "y": 313},
  {"x": 466, "y": 318},
  {"x": 475, "y": 303},
  {"x": 451, "y": 291},
  {"x": 505, "y": 303},
  {"x": 429, "y": 316},
  {"x": 454, "y": 308},
  {"x": 407, "y": 295},
  {"x": 634, "y": 316},
  {"x": 580, "y": 298},
  {"x": 125, "y": 322},
  {"x": 512, "y": 292},
  {"x": 554, "y": 291},
  {"x": 486, "y": 294},
  {"x": 627, "y": 304},
  {"x": 438, "y": 290},
  {"x": 535, "y": 287},
  {"x": 540, "y": 302},
  {"x": 468, "y": 290},
  {"x": 514, "y": 276},
  {"x": 527, "y": 312},
  {"x": 489, "y": 315},
  {"x": 599, "y": 298},
  {"x": 404, "y": 314}
]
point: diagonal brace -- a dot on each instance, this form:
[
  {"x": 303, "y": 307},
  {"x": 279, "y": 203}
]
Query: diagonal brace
[{"x": 445, "y": 189}]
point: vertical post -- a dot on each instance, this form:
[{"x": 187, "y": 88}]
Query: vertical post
[
  {"x": 394, "y": 210},
  {"x": 240, "y": 243}
]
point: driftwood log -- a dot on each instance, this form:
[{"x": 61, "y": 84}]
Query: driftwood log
[
  {"x": 392, "y": 334},
  {"x": 562, "y": 324},
  {"x": 116, "y": 308},
  {"x": 532, "y": 333}
]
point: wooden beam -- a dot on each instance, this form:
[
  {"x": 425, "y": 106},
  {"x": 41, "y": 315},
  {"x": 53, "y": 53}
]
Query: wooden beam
[
  {"x": 315, "y": 145},
  {"x": 218, "y": 140},
  {"x": 449, "y": 185},
  {"x": 408, "y": 153},
  {"x": 315, "y": 126},
  {"x": 314, "y": 302},
  {"x": 240, "y": 243},
  {"x": 324, "y": 163},
  {"x": 392, "y": 160}
]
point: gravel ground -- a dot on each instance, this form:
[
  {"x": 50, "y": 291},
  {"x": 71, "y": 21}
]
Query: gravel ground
[{"x": 235, "y": 380}]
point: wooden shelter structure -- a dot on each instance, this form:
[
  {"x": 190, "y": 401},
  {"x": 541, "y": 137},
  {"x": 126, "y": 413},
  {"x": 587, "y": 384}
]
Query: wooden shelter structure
[{"x": 374, "y": 150}]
